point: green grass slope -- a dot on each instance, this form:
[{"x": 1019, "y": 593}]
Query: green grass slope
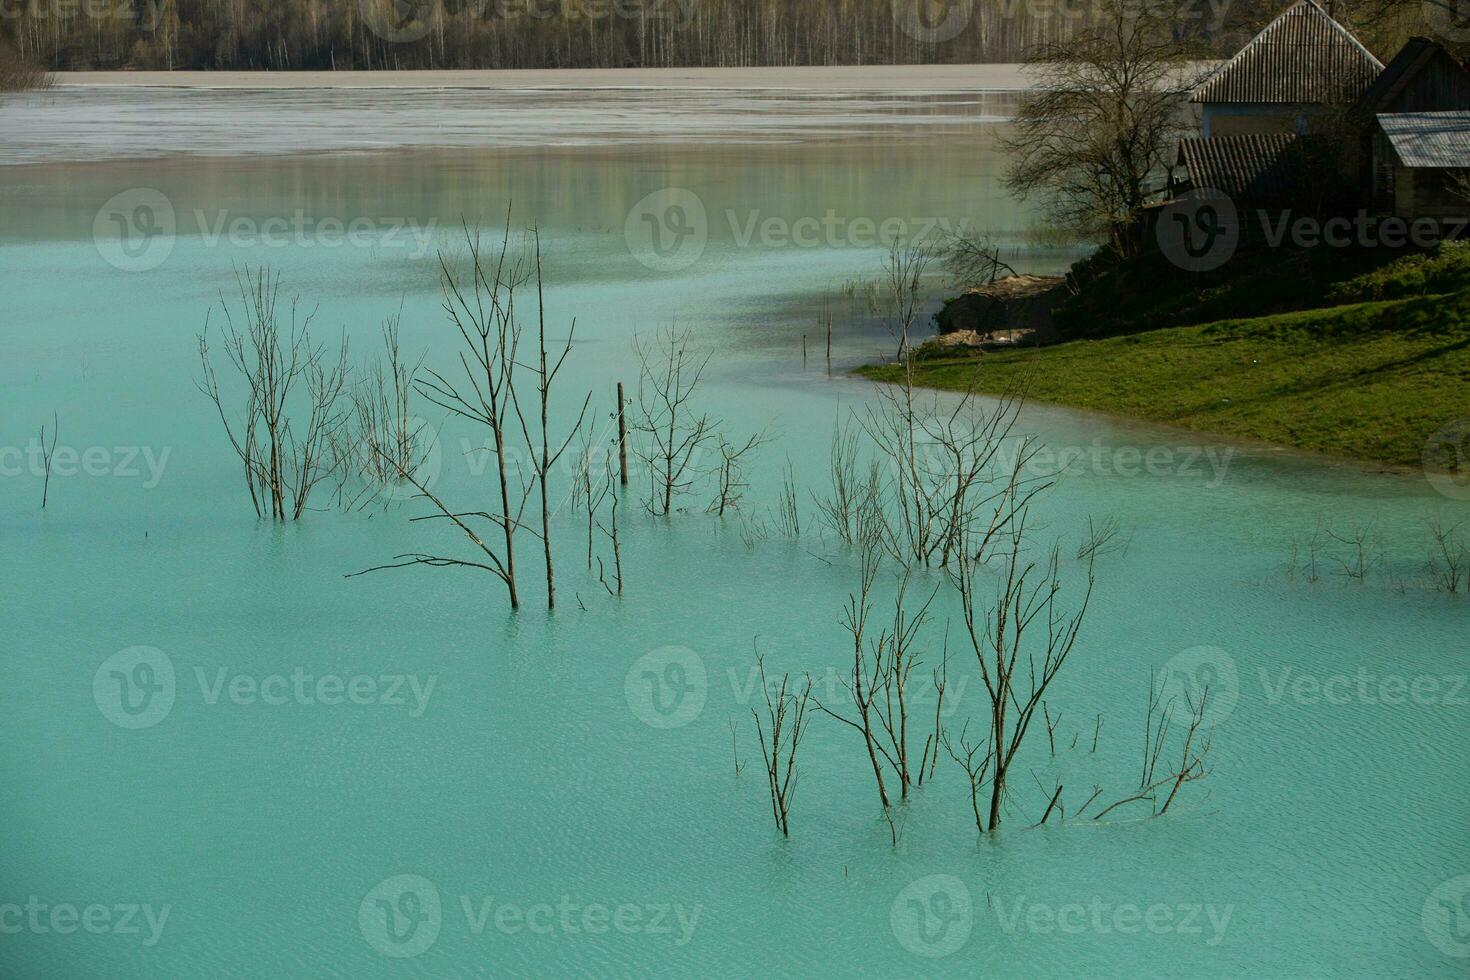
[{"x": 1369, "y": 380}]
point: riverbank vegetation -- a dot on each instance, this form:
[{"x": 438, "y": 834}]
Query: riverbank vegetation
[
  {"x": 1356, "y": 351},
  {"x": 1383, "y": 361}
]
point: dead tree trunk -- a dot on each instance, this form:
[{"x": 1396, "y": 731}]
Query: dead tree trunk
[
  {"x": 786, "y": 713},
  {"x": 1026, "y": 596}
]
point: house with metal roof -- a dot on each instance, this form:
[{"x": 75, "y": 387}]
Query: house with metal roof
[
  {"x": 1305, "y": 118},
  {"x": 1257, "y": 171},
  {"x": 1301, "y": 64},
  {"x": 1421, "y": 162}
]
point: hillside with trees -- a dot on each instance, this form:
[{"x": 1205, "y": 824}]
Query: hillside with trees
[{"x": 419, "y": 34}]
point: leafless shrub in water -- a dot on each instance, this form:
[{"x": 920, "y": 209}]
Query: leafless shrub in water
[
  {"x": 786, "y": 714},
  {"x": 48, "y": 452},
  {"x": 1449, "y": 557},
  {"x": 1103, "y": 538},
  {"x": 1026, "y": 597},
  {"x": 1361, "y": 555},
  {"x": 385, "y": 438},
  {"x": 879, "y": 681},
  {"x": 730, "y": 471},
  {"x": 1194, "y": 747},
  {"x": 480, "y": 302},
  {"x": 975, "y": 759},
  {"x": 293, "y": 408},
  {"x": 543, "y": 456},
  {"x": 673, "y": 432},
  {"x": 788, "y": 512}
]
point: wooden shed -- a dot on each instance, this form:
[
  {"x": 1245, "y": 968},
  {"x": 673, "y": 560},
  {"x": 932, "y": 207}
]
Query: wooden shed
[
  {"x": 1419, "y": 159},
  {"x": 1422, "y": 77},
  {"x": 1299, "y": 65}
]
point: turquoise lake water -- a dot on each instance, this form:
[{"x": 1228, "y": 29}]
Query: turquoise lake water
[{"x": 523, "y": 795}]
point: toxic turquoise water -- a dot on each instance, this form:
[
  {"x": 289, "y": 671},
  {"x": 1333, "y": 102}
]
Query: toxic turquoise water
[{"x": 557, "y": 812}]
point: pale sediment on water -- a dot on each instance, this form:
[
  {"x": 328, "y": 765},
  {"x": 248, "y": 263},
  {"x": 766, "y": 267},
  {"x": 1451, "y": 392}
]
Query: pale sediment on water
[{"x": 864, "y": 78}]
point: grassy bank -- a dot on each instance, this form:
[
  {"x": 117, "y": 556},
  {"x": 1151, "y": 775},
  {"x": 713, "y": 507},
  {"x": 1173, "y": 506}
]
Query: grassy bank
[{"x": 1369, "y": 378}]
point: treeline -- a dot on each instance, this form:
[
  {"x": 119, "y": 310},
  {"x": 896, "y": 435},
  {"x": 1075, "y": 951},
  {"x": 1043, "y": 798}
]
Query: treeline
[{"x": 401, "y": 34}]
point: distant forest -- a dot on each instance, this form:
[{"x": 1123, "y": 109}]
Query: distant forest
[{"x": 395, "y": 34}]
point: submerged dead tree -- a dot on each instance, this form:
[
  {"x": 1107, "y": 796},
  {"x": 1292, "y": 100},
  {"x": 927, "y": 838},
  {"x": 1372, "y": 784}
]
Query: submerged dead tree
[
  {"x": 480, "y": 302},
  {"x": 1194, "y": 746},
  {"x": 596, "y": 490},
  {"x": 293, "y": 405},
  {"x": 1020, "y": 642},
  {"x": 673, "y": 433},
  {"x": 786, "y": 717},
  {"x": 730, "y": 481},
  {"x": 48, "y": 454},
  {"x": 386, "y": 438},
  {"x": 542, "y": 455},
  {"x": 882, "y": 665}
]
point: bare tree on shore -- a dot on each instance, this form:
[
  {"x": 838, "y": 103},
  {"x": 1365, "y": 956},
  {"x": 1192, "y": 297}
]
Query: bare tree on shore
[
  {"x": 19, "y": 73},
  {"x": 1102, "y": 120},
  {"x": 368, "y": 35},
  {"x": 293, "y": 406}
]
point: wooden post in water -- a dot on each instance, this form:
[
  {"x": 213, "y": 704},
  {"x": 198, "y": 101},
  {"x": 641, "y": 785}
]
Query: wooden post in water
[
  {"x": 827, "y": 312},
  {"x": 622, "y": 440},
  {"x": 803, "y": 352}
]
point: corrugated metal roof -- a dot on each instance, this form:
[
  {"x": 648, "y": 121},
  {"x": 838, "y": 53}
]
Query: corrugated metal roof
[
  {"x": 1302, "y": 56},
  {"x": 1429, "y": 139},
  {"x": 1254, "y": 171}
]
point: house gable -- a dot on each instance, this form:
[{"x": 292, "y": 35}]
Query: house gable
[
  {"x": 1301, "y": 57},
  {"x": 1422, "y": 77}
]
